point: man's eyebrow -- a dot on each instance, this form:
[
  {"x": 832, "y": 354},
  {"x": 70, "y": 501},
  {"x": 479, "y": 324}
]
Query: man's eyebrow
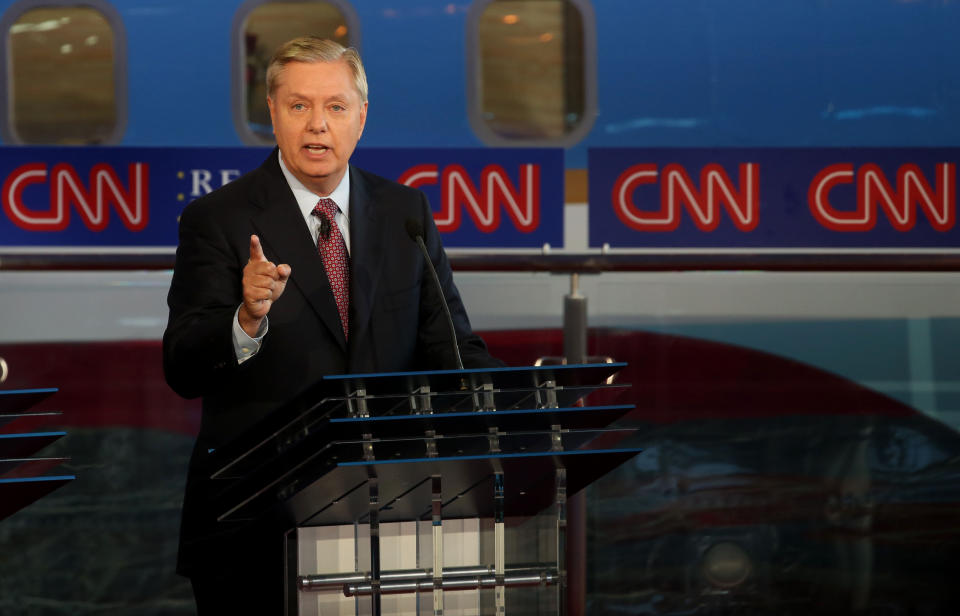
[{"x": 339, "y": 96}]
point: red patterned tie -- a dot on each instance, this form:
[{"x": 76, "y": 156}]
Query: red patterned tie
[{"x": 332, "y": 248}]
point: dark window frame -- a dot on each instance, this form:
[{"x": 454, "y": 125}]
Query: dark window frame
[
  {"x": 8, "y": 132},
  {"x": 238, "y": 82},
  {"x": 474, "y": 88}
]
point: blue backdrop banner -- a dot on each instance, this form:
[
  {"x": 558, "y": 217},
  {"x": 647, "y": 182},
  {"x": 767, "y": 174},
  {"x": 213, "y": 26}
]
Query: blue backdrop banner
[
  {"x": 776, "y": 198},
  {"x": 132, "y": 197}
]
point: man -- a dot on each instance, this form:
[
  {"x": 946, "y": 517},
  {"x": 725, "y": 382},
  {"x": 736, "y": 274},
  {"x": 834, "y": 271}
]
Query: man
[{"x": 296, "y": 270}]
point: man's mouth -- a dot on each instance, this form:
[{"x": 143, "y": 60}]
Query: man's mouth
[{"x": 317, "y": 149}]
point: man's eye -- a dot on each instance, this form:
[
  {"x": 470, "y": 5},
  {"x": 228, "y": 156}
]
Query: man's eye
[
  {"x": 299, "y": 107},
  {"x": 337, "y": 107}
]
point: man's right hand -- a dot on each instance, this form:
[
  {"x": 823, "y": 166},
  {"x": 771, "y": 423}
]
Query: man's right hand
[{"x": 263, "y": 283}]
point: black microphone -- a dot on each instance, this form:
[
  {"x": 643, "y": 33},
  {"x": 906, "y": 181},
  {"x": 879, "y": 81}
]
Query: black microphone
[
  {"x": 415, "y": 231},
  {"x": 324, "y": 226}
]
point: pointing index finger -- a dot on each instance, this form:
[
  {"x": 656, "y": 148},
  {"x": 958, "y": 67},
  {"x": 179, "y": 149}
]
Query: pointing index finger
[{"x": 256, "y": 251}]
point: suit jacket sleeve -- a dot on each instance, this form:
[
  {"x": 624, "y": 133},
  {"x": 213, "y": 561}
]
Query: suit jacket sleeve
[{"x": 198, "y": 355}]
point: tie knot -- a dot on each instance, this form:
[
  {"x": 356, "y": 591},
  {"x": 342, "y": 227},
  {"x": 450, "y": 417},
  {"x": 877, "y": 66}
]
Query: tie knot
[{"x": 327, "y": 207}]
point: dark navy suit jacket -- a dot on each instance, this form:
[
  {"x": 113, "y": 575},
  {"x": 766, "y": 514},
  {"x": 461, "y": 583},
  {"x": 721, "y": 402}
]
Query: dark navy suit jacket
[{"x": 396, "y": 318}]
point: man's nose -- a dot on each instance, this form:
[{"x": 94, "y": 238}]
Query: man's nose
[{"x": 318, "y": 122}]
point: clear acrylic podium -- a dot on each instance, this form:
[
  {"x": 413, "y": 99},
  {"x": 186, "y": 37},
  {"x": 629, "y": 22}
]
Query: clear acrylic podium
[
  {"x": 427, "y": 447},
  {"x": 22, "y": 474}
]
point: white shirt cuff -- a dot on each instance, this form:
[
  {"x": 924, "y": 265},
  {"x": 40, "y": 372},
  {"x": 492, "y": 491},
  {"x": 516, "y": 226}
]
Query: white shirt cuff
[{"x": 244, "y": 346}]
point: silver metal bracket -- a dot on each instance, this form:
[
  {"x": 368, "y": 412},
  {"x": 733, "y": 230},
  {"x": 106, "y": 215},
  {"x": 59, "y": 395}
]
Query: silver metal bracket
[
  {"x": 420, "y": 401},
  {"x": 556, "y": 438},
  {"x": 547, "y": 395},
  {"x": 357, "y": 403},
  {"x": 483, "y": 398}
]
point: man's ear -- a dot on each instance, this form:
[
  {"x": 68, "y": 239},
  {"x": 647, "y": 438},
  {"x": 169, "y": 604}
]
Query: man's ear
[
  {"x": 272, "y": 121},
  {"x": 363, "y": 118}
]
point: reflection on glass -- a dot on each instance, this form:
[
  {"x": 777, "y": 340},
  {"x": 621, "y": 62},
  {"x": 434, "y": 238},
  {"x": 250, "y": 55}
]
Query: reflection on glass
[
  {"x": 531, "y": 76},
  {"x": 769, "y": 485},
  {"x": 266, "y": 28},
  {"x": 62, "y": 76}
]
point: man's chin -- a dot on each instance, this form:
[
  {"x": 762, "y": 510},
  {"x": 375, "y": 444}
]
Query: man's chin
[{"x": 320, "y": 180}]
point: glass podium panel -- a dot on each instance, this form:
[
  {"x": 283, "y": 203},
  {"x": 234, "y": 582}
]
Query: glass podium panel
[{"x": 21, "y": 480}]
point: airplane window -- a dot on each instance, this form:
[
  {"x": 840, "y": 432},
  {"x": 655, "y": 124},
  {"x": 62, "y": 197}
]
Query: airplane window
[
  {"x": 62, "y": 75},
  {"x": 265, "y": 27},
  {"x": 530, "y": 58}
]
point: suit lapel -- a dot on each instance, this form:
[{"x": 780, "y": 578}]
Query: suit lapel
[
  {"x": 285, "y": 235},
  {"x": 366, "y": 254}
]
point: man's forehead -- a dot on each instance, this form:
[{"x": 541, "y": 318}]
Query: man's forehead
[{"x": 282, "y": 76}]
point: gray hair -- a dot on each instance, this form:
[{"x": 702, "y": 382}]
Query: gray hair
[{"x": 316, "y": 49}]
